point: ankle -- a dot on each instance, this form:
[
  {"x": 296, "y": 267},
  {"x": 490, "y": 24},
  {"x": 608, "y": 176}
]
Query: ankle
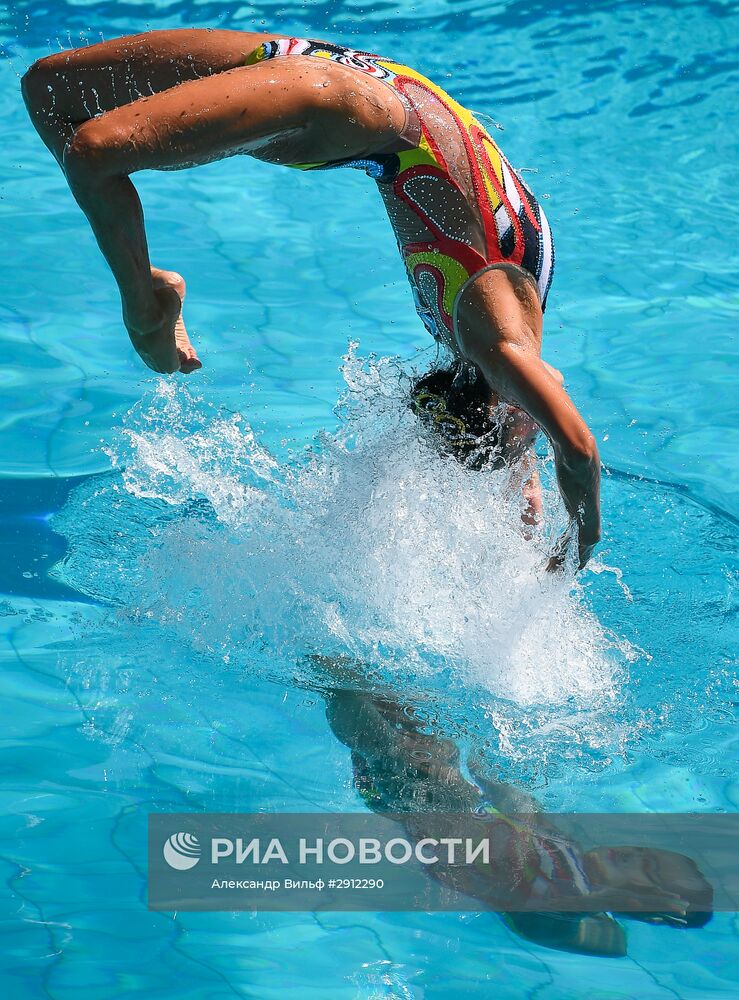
[{"x": 142, "y": 318}]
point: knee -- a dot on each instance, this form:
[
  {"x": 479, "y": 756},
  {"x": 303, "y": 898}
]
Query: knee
[
  {"x": 38, "y": 80},
  {"x": 32, "y": 85},
  {"x": 90, "y": 150}
]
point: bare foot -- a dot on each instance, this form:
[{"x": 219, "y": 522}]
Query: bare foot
[
  {"x": 152, "y": 334},
  {"x": 189, "y": 360}
]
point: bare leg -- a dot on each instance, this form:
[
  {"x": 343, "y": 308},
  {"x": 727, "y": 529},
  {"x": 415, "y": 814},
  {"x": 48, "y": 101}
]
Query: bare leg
[
  {"x": 65, "y": 89},
  {"x": 297, "y": 110}
]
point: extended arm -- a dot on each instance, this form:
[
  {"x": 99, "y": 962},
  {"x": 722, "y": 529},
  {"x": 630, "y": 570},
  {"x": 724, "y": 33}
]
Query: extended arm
[
  {"x": 520, "y": 377},
  {"x": 499, "y": 330}
]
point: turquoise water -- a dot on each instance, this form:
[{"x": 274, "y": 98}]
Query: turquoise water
[{"x": 171, "y": 549}]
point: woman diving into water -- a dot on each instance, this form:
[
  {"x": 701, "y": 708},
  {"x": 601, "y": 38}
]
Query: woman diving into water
[{"x": 475, "y": 242}]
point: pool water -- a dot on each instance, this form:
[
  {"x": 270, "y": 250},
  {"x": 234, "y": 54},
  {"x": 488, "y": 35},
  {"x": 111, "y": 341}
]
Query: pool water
[{"x": 174, "y": 549}]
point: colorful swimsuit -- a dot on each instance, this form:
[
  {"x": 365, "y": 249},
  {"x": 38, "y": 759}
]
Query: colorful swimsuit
[{"x": 455, "y": 203}]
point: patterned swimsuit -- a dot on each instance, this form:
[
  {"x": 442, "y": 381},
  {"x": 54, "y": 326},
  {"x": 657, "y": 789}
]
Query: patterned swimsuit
[{"x": 455, "y": 203}]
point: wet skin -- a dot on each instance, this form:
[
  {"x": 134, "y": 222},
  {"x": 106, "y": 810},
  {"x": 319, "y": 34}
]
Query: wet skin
[{"x": 199, "y": 104}]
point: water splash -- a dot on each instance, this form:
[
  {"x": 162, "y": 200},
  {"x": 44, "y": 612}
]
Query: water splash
[{"x": 368, "y": 545}]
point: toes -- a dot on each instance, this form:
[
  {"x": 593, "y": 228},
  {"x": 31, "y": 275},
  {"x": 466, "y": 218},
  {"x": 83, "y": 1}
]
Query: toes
[{"x": 189, "y": 361}]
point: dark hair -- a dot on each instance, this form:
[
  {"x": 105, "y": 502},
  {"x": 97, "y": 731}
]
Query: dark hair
[{"x": 455, "y": 405}]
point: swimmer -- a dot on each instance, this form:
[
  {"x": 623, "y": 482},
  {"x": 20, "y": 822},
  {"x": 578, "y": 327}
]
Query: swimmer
[
  {"x": 476, "y": 244},
  {"x": 401, "y": 767}
]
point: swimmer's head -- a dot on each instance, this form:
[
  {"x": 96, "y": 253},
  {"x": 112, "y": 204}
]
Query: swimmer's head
[
  {"x": 648, "y": 870},
  {"x": 455, "y": 405}
]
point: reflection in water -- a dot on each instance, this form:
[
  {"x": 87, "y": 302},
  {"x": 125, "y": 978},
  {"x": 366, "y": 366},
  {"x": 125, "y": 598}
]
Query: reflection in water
[{"x": 401, "y": 767}]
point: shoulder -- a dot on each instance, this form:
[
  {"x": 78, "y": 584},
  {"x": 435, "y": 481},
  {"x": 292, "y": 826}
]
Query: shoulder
[{"x": 500, "y": 305}]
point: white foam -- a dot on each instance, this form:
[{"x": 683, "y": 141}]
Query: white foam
[{"x": 374, "y": 546}]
